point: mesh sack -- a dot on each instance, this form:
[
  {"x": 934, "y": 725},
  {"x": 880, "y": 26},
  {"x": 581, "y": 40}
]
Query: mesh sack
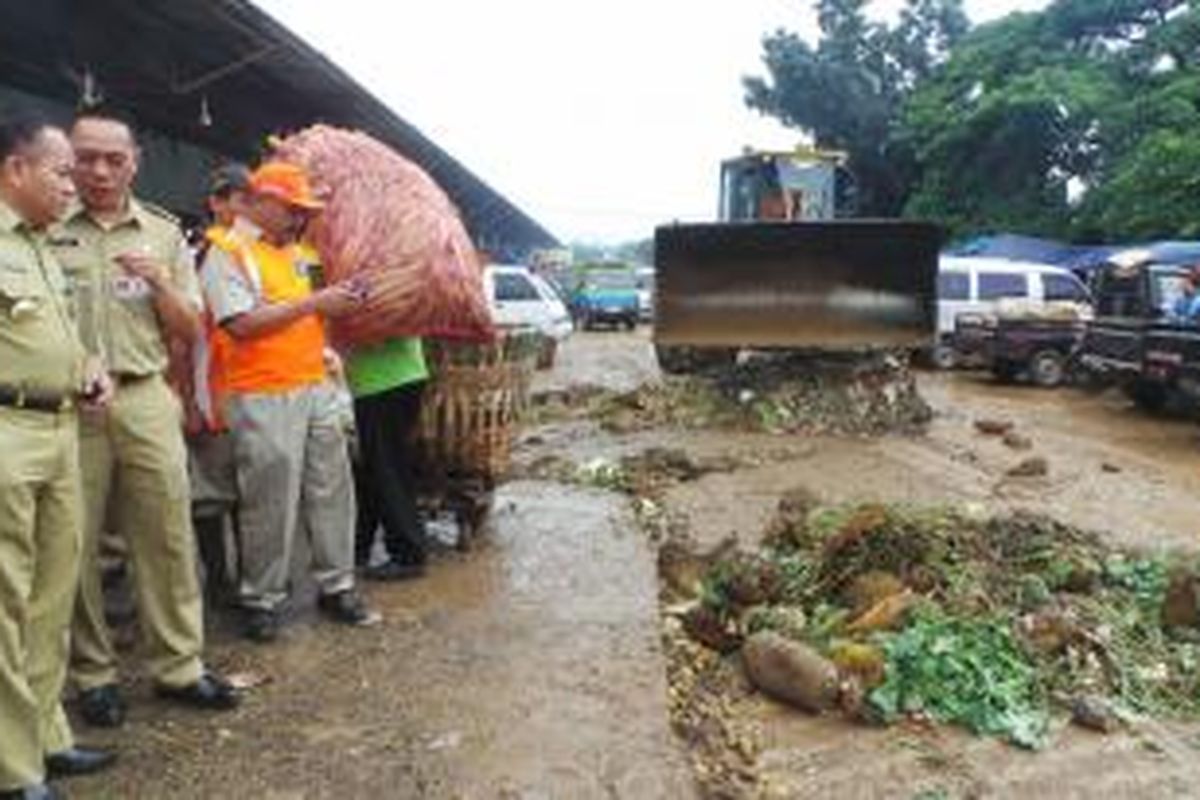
[{"x": 388, "y": 224}]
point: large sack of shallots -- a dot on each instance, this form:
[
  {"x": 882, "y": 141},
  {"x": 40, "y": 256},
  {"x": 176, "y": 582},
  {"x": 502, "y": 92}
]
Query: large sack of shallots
[{"x": 387, "y": 223}]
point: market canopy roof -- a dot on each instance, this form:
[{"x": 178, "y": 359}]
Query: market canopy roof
[
  {"x": 1019, "y": 248},
  {"x": 166, "y": 61},
  {"x": 1076, "y": 257}
]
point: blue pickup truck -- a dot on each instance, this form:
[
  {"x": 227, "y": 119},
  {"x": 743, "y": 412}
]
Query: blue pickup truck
[{"x": 606, "y": 297}]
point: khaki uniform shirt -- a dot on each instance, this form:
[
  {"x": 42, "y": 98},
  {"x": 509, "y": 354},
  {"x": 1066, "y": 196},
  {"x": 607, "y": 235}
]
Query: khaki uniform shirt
[
  {"x": 117, "y": 317},
  {"x": 39, "y": 349}
]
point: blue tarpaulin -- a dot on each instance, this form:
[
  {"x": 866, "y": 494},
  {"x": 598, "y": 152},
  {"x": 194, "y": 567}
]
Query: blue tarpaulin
[
  {"x": 1017, "y": 248},
  {"x": 1076, "y": 257}
]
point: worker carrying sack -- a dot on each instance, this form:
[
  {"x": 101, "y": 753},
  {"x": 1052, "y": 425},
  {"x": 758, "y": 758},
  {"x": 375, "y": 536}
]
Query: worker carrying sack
[{"x": 389, "y": 225}]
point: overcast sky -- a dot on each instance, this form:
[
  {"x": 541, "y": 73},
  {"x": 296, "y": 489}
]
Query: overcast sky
[{"x": 600, "y": 120}]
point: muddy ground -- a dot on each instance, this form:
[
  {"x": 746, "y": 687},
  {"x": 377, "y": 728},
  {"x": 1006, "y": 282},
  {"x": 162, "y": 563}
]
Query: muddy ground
[{"x": 534, "y": 666}]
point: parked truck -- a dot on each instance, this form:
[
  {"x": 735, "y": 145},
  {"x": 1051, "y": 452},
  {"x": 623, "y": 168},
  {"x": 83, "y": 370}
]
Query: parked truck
[
  {"x": 1038, "y": 346},
  {"x": 788, "y": 267},
  {"x": 1135, "y": 341}
]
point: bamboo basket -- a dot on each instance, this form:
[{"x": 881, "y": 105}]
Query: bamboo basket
[{"x": 474, "y": 401}]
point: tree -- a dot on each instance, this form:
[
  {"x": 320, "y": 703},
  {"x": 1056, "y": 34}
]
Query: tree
[
  {"x": 1096, "y": 95},
  {"x": 1154, "y": 193},
  {"x": 639, "y": 251},
  {"x": 1080, "y": 121},
  {"x": 848, "y": 90},
  {"x": 1004, "y": 128}
]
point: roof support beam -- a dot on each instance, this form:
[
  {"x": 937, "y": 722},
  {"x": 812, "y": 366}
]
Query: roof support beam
[{"x": 214, "y": 75}]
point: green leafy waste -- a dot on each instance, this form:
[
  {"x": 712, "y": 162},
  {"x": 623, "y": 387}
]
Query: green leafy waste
[
  {"x": 1019, "y": 614},
  {"x": 964, "y": 671}
]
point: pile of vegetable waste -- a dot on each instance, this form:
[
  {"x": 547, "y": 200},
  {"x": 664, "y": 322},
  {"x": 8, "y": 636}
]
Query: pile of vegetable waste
[
  {"x": 996, "y": 624},
  {"x": 863, "y": 395}
]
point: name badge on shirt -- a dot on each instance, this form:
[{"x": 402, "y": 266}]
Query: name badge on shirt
[{"x": 130, "y": 287}]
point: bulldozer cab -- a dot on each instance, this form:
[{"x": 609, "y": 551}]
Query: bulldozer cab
[
  {"x": 799, "y": 185},
  {"x": 783, "y": 269}
]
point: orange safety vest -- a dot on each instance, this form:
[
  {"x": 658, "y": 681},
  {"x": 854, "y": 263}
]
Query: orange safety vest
[
  {"x": 286, "y": 359},
  {"x": 210, "y": 355}
]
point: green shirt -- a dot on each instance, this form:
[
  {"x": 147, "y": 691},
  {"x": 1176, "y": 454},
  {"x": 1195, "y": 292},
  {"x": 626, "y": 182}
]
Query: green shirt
[{"x": 391, "y": 364}]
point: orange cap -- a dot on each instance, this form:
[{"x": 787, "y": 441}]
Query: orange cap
[{"x": 286, "y": 182}]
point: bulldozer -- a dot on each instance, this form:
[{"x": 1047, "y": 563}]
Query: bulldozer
[{"x": 788, "y": 266}]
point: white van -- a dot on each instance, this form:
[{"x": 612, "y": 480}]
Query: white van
[
  {"x": 977, "y": 285},
  {"x": 645, "y": 290},
  {"x": 519, "y": 297}
]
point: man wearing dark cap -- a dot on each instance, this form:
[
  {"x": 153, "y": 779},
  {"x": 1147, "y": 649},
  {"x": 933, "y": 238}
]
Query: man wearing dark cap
[
  {"x": 227, "y": 192},
  {"x": 210, "y": 448}
]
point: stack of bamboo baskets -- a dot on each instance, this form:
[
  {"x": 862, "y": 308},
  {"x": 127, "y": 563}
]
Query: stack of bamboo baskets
[{"x": 475, "y": 399}]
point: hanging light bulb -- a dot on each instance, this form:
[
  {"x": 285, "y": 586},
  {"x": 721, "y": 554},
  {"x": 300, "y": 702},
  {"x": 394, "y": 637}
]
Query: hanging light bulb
[
  {"x": 91, "y": 95},
  {"x": 206, "y": 120}
]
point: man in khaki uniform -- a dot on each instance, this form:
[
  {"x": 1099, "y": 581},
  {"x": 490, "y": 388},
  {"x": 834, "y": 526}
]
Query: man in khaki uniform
[
  {"x": 42, "y": 371},
  {"x": 135, "y": 288}
]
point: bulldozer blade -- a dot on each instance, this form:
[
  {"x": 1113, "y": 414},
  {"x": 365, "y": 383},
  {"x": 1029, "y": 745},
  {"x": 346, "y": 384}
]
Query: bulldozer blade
[{"x": 845, "y": 285}]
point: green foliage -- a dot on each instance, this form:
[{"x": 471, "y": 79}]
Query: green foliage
[
  {"x": 640, "y": 251},
  {"x": 796, "y": 575},
  {"x": 1079, "y": 121},
  {"x": 847, "y": 91},
  {"x": 1153, "y": 192},
  {"x": 716, "y": 587},
  {"x": 1146, "y": 578},
  {"x": 969, "y": 672},
  {"x": 603, "y": 474}
]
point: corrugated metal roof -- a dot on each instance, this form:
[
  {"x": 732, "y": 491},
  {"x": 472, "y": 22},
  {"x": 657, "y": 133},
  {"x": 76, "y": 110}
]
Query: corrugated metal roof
[{"x": 161, "y": 60}]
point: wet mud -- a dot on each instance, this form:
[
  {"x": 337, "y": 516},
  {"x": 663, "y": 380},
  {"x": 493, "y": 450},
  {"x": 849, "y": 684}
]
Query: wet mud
[
  {"x": 545, "y": 663},
  {"x": 529, "y": 667}
]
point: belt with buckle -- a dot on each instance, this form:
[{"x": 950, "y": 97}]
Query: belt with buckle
[
  {"x": 130, "y": 378},
  {"x": 13, "y": 397}
]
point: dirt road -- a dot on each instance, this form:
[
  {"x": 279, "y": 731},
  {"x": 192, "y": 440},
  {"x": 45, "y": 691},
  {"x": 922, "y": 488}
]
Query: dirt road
[{"x": 532, "y": 667}]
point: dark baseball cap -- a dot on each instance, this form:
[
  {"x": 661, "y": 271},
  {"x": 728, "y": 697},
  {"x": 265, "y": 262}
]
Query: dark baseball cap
[{"x": 229, "y": 178}]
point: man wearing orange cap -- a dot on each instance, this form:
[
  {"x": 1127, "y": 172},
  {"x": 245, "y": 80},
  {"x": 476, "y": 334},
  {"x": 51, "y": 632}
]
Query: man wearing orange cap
[{"x": 290, "y": 453}]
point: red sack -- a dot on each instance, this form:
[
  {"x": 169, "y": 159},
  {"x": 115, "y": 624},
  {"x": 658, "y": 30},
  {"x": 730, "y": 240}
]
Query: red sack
[{"x": 386, "y": 222}]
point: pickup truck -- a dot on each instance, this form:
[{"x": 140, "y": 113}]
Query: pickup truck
[
  {"x": 1171, "y": 360},
  {"x": 1041, "y": 348},
  {"x": 1134, "y": 342}
]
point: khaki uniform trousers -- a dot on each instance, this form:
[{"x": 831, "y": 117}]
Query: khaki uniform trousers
[
  {"x": 134, "y": 465},
  {"x": 293, "y": 470},
  {"x": 40, "y": 518}
]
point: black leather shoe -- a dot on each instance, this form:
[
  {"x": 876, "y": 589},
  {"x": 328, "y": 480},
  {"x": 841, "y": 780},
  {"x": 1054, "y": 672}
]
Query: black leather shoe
[
  {"x": 347, "y": 607},
  {"x": 38, "y": 791},
  {"x": 78, "y": 761},
  {"x": 211, "y": 692},
  {"x": 103, "y": 706},
  {"x": 260, "y": 625}
]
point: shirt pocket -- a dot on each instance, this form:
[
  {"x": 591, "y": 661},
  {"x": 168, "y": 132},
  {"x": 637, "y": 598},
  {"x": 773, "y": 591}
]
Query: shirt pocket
[{"x": 22, "y": 296}]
